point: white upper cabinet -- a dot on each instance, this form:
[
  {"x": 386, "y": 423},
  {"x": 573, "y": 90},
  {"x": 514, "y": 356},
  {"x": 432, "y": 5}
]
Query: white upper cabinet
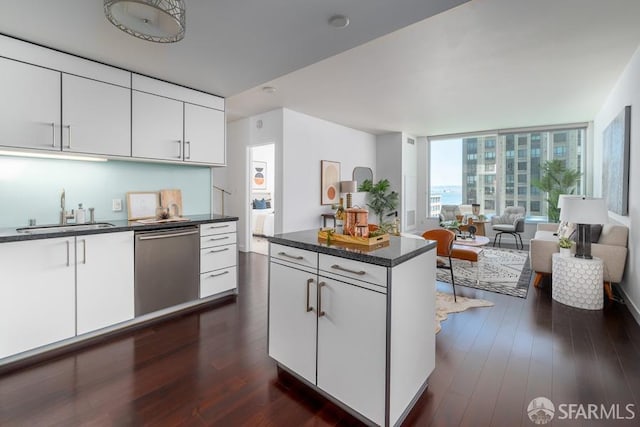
[
  {"x": 157, "y": 130},
  {"x": 29, "y": 106},
  {"x": 96, "y": 117},
  {"x": 203, "y": 135}
]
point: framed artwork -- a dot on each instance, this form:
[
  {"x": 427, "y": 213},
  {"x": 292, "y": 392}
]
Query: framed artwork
[
  {"x": 259, "y": 176},
  {"x": 142, "y": 204},
  {"x": 329, "y": 182},
  {"x": 616, "y": 141}
]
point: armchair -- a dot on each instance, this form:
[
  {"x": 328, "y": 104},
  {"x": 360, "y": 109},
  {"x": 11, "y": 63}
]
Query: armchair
[
  {"x": 510, "y": 222},
  {"x": 449, "y": 212}
]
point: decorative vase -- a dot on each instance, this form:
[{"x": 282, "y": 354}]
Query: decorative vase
[{"x": 565, "y": 252}]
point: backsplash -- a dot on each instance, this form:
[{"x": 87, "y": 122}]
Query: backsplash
[{"x": 30, "y": 188}]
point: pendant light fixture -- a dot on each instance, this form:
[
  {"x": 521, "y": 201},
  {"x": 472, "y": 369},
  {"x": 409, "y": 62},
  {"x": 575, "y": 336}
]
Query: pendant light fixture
[{"x": 160, "y": 21}]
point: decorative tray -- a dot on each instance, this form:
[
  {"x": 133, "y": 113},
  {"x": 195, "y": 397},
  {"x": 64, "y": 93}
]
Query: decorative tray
[{"x": 345, "y": 238}]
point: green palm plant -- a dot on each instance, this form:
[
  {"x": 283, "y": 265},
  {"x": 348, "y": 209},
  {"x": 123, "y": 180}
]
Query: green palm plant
[
  {"x": 382, "y": 200},
  {"x": 556, "y": 180}
]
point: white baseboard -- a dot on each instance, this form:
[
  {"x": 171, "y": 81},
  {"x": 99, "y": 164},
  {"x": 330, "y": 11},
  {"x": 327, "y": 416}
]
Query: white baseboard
[{"x": 633, "y": 308}]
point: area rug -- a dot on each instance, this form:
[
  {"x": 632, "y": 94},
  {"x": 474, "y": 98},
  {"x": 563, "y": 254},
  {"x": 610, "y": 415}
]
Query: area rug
[
  {"x": 504, "y": 271},
  {"x": 445, "y": 305}
]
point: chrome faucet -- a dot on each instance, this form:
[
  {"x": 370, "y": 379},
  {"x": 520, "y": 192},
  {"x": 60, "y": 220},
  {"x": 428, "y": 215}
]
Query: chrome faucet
[{"x": 64, "y": 215}]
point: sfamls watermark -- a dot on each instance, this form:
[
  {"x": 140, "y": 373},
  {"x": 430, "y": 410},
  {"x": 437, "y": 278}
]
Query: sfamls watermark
[{"x": 542, "y": 410}]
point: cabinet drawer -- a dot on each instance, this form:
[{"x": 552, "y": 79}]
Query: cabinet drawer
[
  {"x": 217, "y": 240},
  {"x": 294, "y": 255},
  {"x": 217, "y": 281},
  {"x": 217, "y": 228},
  {"x": 217, "y": 257},
  {"x": 371, "y": 273}
]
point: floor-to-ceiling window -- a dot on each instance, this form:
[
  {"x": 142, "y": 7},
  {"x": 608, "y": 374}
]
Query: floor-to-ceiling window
[{"x": 499, "y": 169}]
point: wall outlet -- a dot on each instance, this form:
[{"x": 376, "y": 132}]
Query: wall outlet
[{"x": 116, "y": 205}]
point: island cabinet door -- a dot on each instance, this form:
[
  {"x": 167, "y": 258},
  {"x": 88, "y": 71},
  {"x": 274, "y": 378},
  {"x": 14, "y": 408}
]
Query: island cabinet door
[
  {"x": 352, "y": 346},
  {"x": 292, "y": 319}
]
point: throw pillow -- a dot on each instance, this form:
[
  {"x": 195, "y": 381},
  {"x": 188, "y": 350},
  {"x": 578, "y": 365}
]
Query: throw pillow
[
  {"x": 260, "y": 204},
  {"x": 561, "y": 227},
  {"x": 568, "y": 230}
]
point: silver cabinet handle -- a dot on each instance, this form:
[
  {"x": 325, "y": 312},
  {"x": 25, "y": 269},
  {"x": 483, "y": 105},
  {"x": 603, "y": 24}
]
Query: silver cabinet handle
[
  {"x": 68, "y": 254},
  {"x": 84, "y": 251},
  {"x": 309, "y": 282},
  {"x": 187, "y": 144},
  {"x": 218, "y": 250},
  {"x": 219, "y": 238},
  {"x": 167, "y": 235},
  {"x": 320, "y": 311},
  {"x": 69, "y": 141},
  {"x": 179, "y": 148},
  {"x": 218, "y": 226},
  {"x": 53, "y": 135},
  {"x": 290, "y": 256},
  {"x": 219, "y": 274},
  {"x": 359, "y": 273}
]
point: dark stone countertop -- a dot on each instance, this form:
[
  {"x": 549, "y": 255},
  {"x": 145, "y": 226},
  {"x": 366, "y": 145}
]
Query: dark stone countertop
[
  {"x": 12, "y": 235},
  {"x": 396, "y": 251}
]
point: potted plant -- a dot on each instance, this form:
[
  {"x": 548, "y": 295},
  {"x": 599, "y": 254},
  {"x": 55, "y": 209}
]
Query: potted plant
[
  {"x": 565, "y": 246},
  {"x": 382, "y": 200},
  {"x": 556, "y": 180}
]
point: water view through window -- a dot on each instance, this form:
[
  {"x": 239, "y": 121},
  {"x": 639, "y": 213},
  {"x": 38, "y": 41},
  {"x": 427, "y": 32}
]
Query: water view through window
[{"x": 500, "y": 170}]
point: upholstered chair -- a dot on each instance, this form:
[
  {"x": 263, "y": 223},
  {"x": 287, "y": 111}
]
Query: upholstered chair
[
  {"x": 445, "y": 239},
  {"x": 449, "y": 212},
  {"x": 510, "y": 222}
]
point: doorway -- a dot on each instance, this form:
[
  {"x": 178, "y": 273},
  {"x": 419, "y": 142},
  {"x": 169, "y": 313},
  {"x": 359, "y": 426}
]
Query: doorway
[{"x": 261, "y": 196}]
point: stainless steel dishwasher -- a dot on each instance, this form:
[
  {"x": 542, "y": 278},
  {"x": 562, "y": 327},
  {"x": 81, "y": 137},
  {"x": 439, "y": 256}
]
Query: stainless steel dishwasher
[{"x": 167, "y": 268}]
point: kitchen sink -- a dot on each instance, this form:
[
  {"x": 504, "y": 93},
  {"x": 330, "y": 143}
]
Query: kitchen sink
[{"x": 56, "y": 228}]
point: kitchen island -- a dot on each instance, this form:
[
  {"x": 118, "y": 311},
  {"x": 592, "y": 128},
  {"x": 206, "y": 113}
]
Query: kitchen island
[{"x": 355, "y": 323}]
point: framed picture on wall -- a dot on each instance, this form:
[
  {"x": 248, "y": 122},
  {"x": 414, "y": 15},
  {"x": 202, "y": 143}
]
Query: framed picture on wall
[
  {"x": 259, "y": 175},
  {"x": 329, "y": 182},
  {"x": 616, "y": 141}
]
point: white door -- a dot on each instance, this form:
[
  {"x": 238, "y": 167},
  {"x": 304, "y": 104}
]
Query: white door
[
  {"x": 204, "y": 134},
  {"x": 156, "y": 127},
  {"x": 37, "y": 293},
  {"x": 105, "y": 280},
  {"x": 29, "y": 106},
  {"x": 292, "y": 319},
  {"x": 96, "y": 117},
  {"x": 351, "y": 346}
]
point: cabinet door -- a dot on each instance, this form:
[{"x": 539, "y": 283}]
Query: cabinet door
[
  {"x": 157, "y": 127},
  {"x": 30, "y": 106},
  {"x": 292, "y": 319},
  {"x": 96, "y": 117},
  {"x": 104, "y": 280},
  {"x": 204, "y": 134},
  {"x": 351, "y": 346},
  {"x": 37, "y": 293}
]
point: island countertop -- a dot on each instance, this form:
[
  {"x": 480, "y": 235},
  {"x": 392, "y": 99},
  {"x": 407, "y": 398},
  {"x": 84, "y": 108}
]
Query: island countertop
[{"x": 396, "y": 251}]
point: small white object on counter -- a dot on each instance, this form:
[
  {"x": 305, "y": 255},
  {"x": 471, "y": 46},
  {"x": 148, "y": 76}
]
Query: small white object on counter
[{"x": 80, "y": 215}]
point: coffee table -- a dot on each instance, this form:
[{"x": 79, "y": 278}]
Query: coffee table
[{"x": 477, "y": 241}]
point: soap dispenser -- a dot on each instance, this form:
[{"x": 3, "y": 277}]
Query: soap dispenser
[{"x": 80, "y": 215}]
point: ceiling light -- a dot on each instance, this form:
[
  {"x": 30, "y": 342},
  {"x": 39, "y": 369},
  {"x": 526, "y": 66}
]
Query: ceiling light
[
  {"x": 268, "y": 89},
  {"x": 339, "y": 21},
  {"x": 161, "y": 21}
]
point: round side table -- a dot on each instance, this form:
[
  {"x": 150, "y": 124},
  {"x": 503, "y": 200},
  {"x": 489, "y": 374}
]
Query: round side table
[{"x": 577, "y": 282}]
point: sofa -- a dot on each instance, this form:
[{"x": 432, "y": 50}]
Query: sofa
[{"x": 610, "y": 246}]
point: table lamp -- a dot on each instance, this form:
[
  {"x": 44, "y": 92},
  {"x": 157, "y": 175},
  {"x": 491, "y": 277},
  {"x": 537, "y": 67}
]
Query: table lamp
[
  {"x": 584, "y": 211},
  {"x": 348, "y": 187}
]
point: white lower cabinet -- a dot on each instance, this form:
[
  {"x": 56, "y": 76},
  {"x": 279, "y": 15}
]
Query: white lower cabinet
[
  {"x": 330, "y": 332},
  {"x": 351, "y": 346},
  {"x": 37, "y": 293},
  {"x": 292, "y": 319},
  {"x": 218, "y": 258},
  {"x": 104, "y": 280}
]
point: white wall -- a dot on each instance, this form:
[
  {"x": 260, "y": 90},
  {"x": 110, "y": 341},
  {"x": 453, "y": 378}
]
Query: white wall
[
  {"x": 306, "y": 141},
  {"x": 389, "y": 162},
  {"x": 625, "y": 92}
]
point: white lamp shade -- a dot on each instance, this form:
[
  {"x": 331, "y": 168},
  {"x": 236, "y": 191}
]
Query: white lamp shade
[
  {"x": 561, "y": 198},
  {"x": 584, "y": 210},
  {"x": 348, "y": 186}
]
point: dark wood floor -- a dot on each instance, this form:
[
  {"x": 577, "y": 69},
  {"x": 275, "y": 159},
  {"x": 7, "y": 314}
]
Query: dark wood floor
[{"x": 211, "y": 368}]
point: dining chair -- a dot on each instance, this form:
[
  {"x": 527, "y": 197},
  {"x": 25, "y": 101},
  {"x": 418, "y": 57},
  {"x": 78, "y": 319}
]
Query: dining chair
[{"x": 445, "y": 239}]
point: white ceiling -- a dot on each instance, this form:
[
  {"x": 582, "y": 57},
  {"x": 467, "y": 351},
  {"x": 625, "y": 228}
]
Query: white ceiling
[{"x": 482, "y": 65}]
